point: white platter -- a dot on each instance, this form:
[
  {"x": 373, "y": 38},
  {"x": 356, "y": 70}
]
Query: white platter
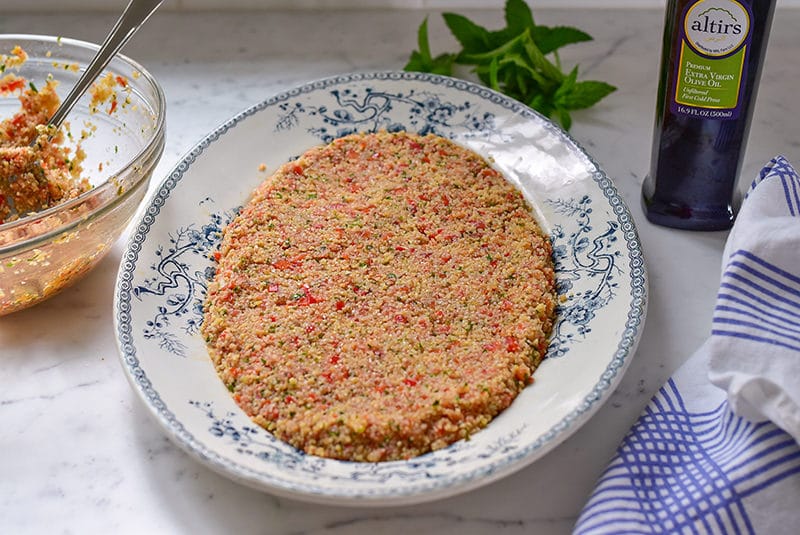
[{"x": 162, "y": 280}]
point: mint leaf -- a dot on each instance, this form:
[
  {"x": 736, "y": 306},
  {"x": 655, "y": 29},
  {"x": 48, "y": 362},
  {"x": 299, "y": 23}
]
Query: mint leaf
[
  {"x": 473, "y": 38},
  {"x": 525, "y": 69},
  {"x": 542, "y": 104},
  {"x": 476, "y": 58},
  {"x": 493, "y": 75},
  {"x": 422, "y": 61},
  {"x": 564, "y": 118},
  {"x": 567, "y": 86},
  {"x": 586, "y": 94},
  {"x": 422, "y": 41},
  {"x": 416, "y": 63},
  {"x": 518, "y": 16},
  {"x": 539, "y": 61},
  {"x": 551, "y": 39}
]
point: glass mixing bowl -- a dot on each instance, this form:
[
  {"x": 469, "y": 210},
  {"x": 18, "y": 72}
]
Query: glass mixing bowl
[{"x": 43, "y": 253}]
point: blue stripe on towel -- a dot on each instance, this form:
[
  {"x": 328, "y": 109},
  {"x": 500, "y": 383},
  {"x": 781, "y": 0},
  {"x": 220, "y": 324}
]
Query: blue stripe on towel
[
  {"x": 752, "y": 311},
  {"x": 754, "y": 298},
  {"x": 772, "y": 281},
  {"x": 753, "y": 338},
  {"x": 757, "y": 327},
  {"x": 768, "y": 265},
  {"x": 764, "y": 289},
  {"x": 677, "y": 470},
  {"x": 780, "y": 169},
  {"x": 759, "y": 302}
]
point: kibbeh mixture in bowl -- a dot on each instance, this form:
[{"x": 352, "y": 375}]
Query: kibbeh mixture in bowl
[{"x": 67, "y": 199}]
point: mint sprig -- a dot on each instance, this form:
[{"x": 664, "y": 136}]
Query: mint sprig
[
  {"x": 422, "y": 60},
  {"x": 520, "y": 60}
]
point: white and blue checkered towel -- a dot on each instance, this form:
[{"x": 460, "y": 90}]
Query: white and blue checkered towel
[{"x": 717, "y": 449}]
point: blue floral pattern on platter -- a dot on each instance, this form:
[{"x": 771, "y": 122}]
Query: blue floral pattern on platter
[
  {"x": 371, "y": 111},
  {"x": 164, "y": 274},
  {"x": 183, "y": 290},
  {"x": 253, "y": 441},
  {"x": 583, "y": 254}
]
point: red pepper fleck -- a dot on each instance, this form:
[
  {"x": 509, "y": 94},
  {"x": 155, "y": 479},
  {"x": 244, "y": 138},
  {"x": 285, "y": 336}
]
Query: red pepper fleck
[
  {"x": 409, "y": 381},
  {"x": 217, "y": 255},
  {"x": 113, "y": 106},
  {"x": 289, "y": 399},
  {"x": 491, "y": 346},
  {"x": 287, "y": 263},
  {"x": 399, "y": 318},
  {"x": 298, "y": 169},
  {"x": 339, "y": 305},
  {"x": 11, "y": 85},
  {"x": 511, "y": 344},
  {"x": 335, "y": 359},
  {"x": 122, "y": 81}
]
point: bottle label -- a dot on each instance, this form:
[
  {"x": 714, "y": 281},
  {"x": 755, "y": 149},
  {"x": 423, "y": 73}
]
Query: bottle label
[{"x": 712, "y": 60}]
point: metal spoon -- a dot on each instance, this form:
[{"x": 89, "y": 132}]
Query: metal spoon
[{"x": 135, "y": 14}]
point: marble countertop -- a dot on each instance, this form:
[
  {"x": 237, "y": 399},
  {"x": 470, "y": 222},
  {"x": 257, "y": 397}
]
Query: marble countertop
[{"x": 80, "y": 454}]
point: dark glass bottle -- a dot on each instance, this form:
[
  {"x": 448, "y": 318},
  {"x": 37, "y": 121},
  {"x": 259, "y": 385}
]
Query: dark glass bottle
[{"x": 711, "y": 62}]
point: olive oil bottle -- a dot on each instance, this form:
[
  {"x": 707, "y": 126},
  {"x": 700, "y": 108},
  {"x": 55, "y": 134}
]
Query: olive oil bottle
[{"x": 711, "y": 62}]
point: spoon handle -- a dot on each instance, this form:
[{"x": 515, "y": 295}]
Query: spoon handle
[{"x": 135, "y": 14}]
